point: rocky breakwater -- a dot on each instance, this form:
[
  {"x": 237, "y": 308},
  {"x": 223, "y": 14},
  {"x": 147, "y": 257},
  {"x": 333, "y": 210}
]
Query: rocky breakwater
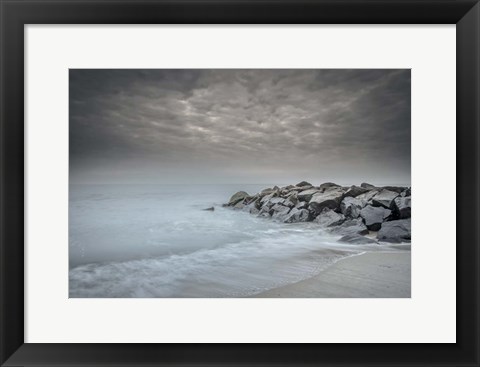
[{"x": 350, "y": 212}]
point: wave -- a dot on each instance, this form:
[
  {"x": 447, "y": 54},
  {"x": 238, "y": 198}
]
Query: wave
[{"x": 233, "y": 270}]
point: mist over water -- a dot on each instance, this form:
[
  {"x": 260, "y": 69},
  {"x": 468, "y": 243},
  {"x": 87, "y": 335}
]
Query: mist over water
[{"x": 156, "y": 241}]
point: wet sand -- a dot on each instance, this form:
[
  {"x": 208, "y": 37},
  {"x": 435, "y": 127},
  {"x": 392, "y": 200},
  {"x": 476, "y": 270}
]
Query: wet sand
[{"x": 370, "y": 275}]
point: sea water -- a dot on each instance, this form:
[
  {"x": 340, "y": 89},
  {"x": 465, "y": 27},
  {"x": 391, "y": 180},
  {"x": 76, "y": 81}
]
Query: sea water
[{"x": 157, "y": 241}]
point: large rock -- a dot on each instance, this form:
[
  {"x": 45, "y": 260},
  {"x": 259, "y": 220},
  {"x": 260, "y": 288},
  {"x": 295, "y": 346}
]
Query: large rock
[
  {"x": 291, "y": 200},
  {"x": 329, "y": 218},
  {"x": 275, "y": 200},
  {"x": 284, "y": 192},
  {"x": 301, "y": 205},
  {"x": 384, "y": 198},
  {"x": 257, "y": 203},
  {"x": 367, "y": 186},
  {"x": 297, "y": 215},
  {"x": 350, "y": 227},
  {"x": 406, "y": 192},
  {"x": 368, "y": 196},
  {"x": 306, "y": 195},
  {"x": 239, "y": 205},
  {"x": 265, "y": 211},
  {"x": 280, "y": 212},
  {"x": 350, "y": 207},
  {"x": 267, "y": 191},
  {"x": 267, "y": 197},
  {"x": 403, "y": 207},
  {"x": 251, "y": 199},
  {"x": 327, "y": 185},
  {"x": 238, "y": 196},
  {"x": 279, "y": 207},
  {"x": 330, "y": 199},
  {"x": 354, "y": 191},
  {"x": 356, "y": 239},
  {"x": 396, "y": 231},
  {"x": 397, "y": 189},
  {"x": 374, "y": 216},
  {"x": 303, "y": 183}
]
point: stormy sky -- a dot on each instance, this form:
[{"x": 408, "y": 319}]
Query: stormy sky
[{"x": 240, "y": 126}]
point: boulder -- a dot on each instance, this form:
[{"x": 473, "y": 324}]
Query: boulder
[
  {"x": 277, "y": 207},
  {"x": 397, "y": 189},
  {"x": 373, "y": 217},
  {"x": 331, "y": 199},
  {"x": 267, "y": 197},
  {"x": 297, "y": 215},
  {"x": 356, "y": 239},
  {"x": 326, "y": 185},
  {"x": 368, "y": 196},
  {"x": 350, "y": 227},
  {"x": 291, "y": 200},
  {"x": 403, "y": 207},
  {"x": 298, "y": 189},
  {"x": 280, "y": 212},
  {"x": 275, "y": 200},
  {"x": 239, "y": 205},
  {"x": 350, "y": 206},
  {"x": 367, "y": 186},
  {"x": 238, "y": 196},
  {"x": 257, "y": 203},
  {"x": 329, "y": 218},
  {"x": 264, "y": 210},
  {"x": 384, "y": 198},
  {"x": 396, "y": 231},
  {"x": 301, "y": 205},
  {"x": 354, "y": 191},
  {"x": 306, "y": 195},
  {"x": 251, "y": 199},
  {"x": 303, "y": 183},
  {"x": 266, "y": 191}
]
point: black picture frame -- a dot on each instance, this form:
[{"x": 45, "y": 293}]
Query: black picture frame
[{"x": 15, "y": 14}]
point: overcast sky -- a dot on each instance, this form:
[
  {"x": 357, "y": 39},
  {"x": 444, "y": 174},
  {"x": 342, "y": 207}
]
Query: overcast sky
[{"x": 240, "y": 126}]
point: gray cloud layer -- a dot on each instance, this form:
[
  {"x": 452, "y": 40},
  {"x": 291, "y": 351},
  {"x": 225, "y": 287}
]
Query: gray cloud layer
[{"x": 239, "y": 126}]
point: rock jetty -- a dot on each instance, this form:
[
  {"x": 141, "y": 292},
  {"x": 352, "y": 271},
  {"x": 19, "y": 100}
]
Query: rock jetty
[{"x": 349, "y": 212}]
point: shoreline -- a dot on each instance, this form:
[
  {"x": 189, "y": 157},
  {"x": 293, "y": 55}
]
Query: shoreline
[{"x": 368, "y": 275}]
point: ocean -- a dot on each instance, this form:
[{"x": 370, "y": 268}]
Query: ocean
[{"x": 156, "y": 241}]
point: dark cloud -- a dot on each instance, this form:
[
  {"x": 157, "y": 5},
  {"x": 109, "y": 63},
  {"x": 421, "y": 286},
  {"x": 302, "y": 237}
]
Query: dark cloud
[{"x": 239, "y": 125}]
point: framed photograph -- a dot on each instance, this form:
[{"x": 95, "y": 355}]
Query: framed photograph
[
  {"x": 197, "y": 183},
  {"x": 205, "y": 158}
]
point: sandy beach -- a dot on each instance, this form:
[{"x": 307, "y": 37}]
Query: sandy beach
[{"x": 373, "y": 274}]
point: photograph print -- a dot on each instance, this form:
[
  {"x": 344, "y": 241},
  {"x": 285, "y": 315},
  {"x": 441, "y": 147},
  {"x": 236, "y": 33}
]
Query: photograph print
[{"x": 214, "y": 183}]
